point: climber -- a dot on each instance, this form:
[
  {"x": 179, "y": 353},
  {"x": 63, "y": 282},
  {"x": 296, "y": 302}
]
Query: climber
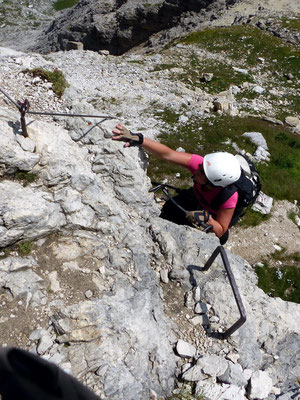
[{"x": 211, "y": 174}]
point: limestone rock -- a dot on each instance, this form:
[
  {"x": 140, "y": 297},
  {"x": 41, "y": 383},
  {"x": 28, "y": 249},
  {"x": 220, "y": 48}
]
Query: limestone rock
[
  {"x": 260, "y": 385},
  {"x": 28, "y": 215},
  {"x": 194, "y": 374},
  {"x": 257, "y": 138},
  {"x": 261, "y": 154},
  {"x": 201, "y": 308},
  {"x": 207, "y": 77},
  {"x": 54, "y": 283},
  {"x": 71, "y": 45},
  {"x": 184, "y": 349},
  {"x": 164, "y": 275},
  {"x": 292, "y": 121},
  {"x": 23, "y": 283},
  {"x": 44, "y": 344},
  {"x": 258, "y": 89},
  {"x": 98, "y": 229},
  {"x": 115, "y": 26},
  {"x": 214, "y": 391},
  {"x": 263, "y": 203},
  {"x": 213, "y": 365},
  {"x": 233, "y": 375},
  {"x": 225, "y": 103},
  {"x": 13, "y": 157}
]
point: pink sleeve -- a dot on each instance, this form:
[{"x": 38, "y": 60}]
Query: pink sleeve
[
  {"x": 231, "y": 202},
  {"x": 194, "y": 163}
]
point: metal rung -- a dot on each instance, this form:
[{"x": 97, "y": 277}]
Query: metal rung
[{"x": 242, "y": 319}]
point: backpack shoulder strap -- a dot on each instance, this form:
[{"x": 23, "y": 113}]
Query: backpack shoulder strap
[{"x": 223, "y": 196}]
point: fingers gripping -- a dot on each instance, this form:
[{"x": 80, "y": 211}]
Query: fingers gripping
[{"x": 198, "y": 218}]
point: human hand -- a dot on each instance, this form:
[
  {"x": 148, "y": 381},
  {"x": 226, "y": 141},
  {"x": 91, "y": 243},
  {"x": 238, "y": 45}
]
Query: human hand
[
  {"x": 123, "y": 134},
  {"x": 198, "y": 218}
]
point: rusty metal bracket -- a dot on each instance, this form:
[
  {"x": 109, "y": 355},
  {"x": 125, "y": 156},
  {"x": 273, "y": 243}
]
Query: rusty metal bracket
[
  {"x": 242, "y": 319},
  {"x": 24, "y": 108}
]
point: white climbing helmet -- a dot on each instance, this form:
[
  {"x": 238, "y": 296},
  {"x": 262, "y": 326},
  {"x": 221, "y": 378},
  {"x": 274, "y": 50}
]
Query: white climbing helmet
[{"x": 221, "y": 168}]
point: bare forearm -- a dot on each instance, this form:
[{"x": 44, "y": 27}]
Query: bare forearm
[
  {"x": 165, "y": 153},
  {"x": 221, "y": 223},
  {"x": 217, "y": 227},
  {"x": 158, "y": 149}
]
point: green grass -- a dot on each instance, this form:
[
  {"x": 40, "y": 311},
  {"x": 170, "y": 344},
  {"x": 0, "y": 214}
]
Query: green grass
[
  {"x": 245, "y": 44},
  {"x": 223, "y": 74},
  {"x": 292, "y": 108},
  {"x": 280, "y": 177},
  {"x": 242, "y": 45},
  {"x": 187, "y": 393},
  {"x": 253, "y": 218},
  {"x": 25, "y": 248},
  {"x": 248, "y": 94},
  {"x": 163, "y": 67},
  {"x": 5, "y": 252},
  {"x": 56, "y": 77},
  {"x": 283, "y": 282},
  {"x": 291, "y": 23},
  {"x": 25, "y": 177},
  {"x": 139, "y": 62},
  {"x": 292, "y": 216},
  {"x": 63, "y": 4}
]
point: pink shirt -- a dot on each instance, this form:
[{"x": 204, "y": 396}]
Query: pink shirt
[{"x": 193, "y": 165}]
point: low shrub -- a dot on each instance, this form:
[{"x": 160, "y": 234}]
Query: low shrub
[
  {"x": 187, "y": 393},
  {"x": 56, "y": 77},
  {"x": 25, "y": 248},
  {"x": 25, "y": 177}
]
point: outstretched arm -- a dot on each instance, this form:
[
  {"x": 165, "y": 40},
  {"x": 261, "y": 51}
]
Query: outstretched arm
[
  {"x": 166, "y": 153},
  {"x": 154, "y": 147}
]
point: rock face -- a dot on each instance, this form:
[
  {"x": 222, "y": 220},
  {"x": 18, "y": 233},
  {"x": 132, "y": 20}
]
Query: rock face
[
  {"x": 117, "y": 26},
  {"x": 126, "y": 323}
]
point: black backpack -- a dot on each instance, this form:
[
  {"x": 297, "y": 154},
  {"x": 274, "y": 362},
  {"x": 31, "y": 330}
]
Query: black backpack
[{"x": 248, "y": 187}]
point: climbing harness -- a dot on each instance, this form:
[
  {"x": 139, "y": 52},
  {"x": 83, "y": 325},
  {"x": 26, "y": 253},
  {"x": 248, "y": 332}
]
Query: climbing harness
[
  {"x": 24, "y": 107},
  {"x": 199, "y": 224}
]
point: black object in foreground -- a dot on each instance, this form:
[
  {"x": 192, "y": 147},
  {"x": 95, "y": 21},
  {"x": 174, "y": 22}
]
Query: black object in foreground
[{"x": 26, "y": 376}]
